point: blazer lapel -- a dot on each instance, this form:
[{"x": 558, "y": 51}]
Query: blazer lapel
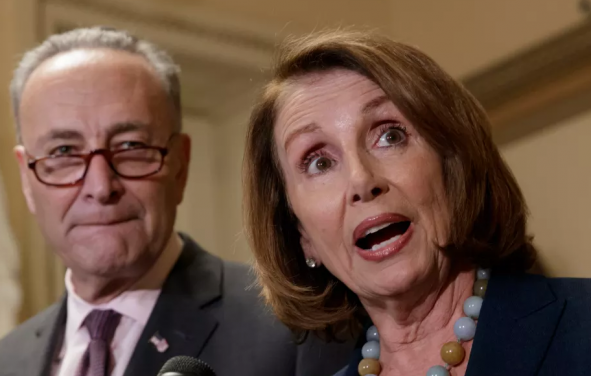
[
  {"x": 518, "y": 319},
  {"x": 179, "y": 323},
  {"x": 45, "y": 344}
]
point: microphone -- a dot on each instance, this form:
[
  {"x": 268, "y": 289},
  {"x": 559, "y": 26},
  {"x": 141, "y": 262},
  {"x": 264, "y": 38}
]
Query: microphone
[{"x": 186, "y": 366}]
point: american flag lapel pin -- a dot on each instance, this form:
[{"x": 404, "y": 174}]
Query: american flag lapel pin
[{"x": 159, "y": 342}]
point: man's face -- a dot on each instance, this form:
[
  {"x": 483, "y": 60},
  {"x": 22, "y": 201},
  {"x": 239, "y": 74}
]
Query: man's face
[{"x": 83, "y": 100}]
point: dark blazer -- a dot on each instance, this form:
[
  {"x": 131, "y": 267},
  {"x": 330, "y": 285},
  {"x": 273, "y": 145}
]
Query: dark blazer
[
  {"x": 529, "y": 325},
  {"x": 207, "y": 309}
]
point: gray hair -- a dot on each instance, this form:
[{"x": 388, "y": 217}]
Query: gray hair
[{"x": 96, "y": 38}]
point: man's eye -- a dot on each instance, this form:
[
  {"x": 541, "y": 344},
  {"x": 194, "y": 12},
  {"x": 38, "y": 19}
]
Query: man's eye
[
  {"x": 131, "y": 145},
  {"x": 62, "y": 150}
]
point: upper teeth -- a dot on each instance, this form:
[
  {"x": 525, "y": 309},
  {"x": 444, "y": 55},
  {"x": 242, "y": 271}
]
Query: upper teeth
[{"x": 377, "y": 228}]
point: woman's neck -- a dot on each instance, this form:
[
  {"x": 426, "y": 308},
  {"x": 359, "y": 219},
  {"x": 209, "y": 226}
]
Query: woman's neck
[{"x": 413, "y": 327}]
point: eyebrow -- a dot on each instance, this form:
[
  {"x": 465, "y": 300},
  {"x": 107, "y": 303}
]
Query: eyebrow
[
  {"x": 71, "y": 134},
  {"x": 313, "y": 127},
  {"x": 310, "y": 128},
  {"x": 374, "y": 103},
  {"x": 59, "y": 134},
  {"x": 125, "y": 127}
]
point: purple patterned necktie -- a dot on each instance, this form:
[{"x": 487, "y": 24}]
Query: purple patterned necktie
[{"x": 101, "y": 326}]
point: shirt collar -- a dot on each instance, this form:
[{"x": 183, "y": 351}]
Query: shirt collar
[{"x": 136, "y": 303}]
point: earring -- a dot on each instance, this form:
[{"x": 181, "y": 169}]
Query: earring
[{"x": 311, "y": 262}]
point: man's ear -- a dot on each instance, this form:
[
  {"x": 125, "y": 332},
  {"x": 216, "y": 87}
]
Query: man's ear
[
  {"x": 184, "y": 158},
  {"x": 23, "y": 164}
]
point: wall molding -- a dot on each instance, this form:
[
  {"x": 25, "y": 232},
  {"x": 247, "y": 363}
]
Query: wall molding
[
  {"x": 220, "y": 63},
  {"x": 538, "y": 87},
  {"x": 524, "y": 93},
  {"x": 203, "y": 41}
]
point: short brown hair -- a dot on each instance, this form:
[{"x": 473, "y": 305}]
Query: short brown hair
[{"x": 488, "y": 211}]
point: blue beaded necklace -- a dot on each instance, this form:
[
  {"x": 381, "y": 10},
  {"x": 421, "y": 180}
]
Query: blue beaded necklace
[{"x": 452, "y": 353}]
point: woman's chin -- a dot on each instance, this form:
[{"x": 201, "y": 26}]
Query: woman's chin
[
  {"x": 391, "y": 281},
  {"x": 387, "y": 289}
]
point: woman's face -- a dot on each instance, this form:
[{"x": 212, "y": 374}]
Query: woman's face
[{"x": 366, "y": 187}]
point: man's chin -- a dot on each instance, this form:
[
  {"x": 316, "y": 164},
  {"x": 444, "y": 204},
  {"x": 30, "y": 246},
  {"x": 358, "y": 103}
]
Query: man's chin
[
  {"x": 104, "y": 268},
  {"x": 105, "y": 255}
]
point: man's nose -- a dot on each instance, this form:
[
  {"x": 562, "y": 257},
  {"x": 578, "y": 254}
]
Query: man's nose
[{"x": 101, "y": 183}]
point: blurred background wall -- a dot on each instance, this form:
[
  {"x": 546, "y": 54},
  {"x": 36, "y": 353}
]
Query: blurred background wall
[{"x": 527, "y": 61}]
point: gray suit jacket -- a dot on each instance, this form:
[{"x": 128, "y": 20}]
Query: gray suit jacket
[{"x": 207, "y": 309}]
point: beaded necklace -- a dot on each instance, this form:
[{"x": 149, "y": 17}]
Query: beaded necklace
[{"x": 452, "y": 353}]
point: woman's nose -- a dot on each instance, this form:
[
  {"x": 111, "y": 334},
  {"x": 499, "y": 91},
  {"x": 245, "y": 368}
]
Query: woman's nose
[{"x": 365, "y": 184}]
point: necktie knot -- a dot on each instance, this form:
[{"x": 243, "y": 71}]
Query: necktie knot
[{"x": 101, "y": 324}]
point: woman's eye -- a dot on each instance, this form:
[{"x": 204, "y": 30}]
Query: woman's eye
[
  {"x": 393, "y": 136},
  {"x": 319, "y": 165}
]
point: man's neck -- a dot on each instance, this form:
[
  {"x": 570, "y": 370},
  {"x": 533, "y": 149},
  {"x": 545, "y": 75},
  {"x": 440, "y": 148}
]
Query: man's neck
[{"x": 97, "y": 290}]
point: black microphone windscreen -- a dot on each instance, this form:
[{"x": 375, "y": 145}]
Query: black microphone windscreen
[{"x": 186, "y": 366}]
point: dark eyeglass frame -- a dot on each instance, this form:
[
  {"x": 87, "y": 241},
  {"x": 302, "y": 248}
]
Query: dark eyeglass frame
[{"x": 87, "y": 157}]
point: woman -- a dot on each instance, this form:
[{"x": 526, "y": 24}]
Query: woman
[{"x": 376, "y": 198}]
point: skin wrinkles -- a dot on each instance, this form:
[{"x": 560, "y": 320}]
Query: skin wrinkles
[
  {"x": 307, "y": 101},
  {"x": 108, "y": 230},
  {"x": 413, "y": 296}
]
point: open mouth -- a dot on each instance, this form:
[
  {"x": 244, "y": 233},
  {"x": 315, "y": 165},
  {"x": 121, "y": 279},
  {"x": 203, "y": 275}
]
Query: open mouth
[{"x": 380, "y": 236}]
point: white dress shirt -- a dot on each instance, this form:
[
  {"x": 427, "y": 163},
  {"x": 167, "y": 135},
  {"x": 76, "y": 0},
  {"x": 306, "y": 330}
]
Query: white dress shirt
[{"x": 134, "y": 305}]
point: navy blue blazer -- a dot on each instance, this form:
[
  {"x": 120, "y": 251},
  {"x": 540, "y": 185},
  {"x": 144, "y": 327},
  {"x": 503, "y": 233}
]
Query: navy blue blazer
[{"x": 529, "y": 325}]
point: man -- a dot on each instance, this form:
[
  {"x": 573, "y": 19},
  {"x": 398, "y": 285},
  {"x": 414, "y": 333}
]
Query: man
[{"x": 104, "y": 165}]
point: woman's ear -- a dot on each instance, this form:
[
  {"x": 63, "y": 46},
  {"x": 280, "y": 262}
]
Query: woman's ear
[{"x": 308, "y": 247}]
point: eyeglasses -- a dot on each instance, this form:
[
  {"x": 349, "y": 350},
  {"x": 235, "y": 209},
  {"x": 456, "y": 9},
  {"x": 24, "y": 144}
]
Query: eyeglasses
[{"x": 68, "y": 170}]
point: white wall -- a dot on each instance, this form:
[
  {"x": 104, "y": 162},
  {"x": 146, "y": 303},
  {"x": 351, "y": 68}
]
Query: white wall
[
  {"x": 212, "y": 208},
  {"x": 33, "y": 266},
  {"x": 196, "y": 215},
  {"x": 229, "y": 147},
  {"x": 553, "y": 167},
  {"x": 10, "y": 291}
]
